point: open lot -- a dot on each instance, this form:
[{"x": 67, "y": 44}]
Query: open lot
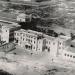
[{"x": 23, "y": 63}]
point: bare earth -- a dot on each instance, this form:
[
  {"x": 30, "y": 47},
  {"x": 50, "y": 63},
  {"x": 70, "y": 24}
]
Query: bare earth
[{"x": 23, "y": 63}]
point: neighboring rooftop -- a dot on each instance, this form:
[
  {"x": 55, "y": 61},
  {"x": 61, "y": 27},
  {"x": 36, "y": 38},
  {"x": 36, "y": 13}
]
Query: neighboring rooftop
[
  {"x": 48, "y": 37},
  {"x": 9, "y": 24},
  {"x": 34, "y": 32},
  {"x": 64, "y": 37}
]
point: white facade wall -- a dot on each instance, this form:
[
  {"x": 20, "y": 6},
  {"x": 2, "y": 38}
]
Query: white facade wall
[
  {"x": 31, "y": 39},
  {"x": 60, "y": 46},
  {"x": 5, "y": 34},
  {"x": 48, "y": 44},
  {"x": 25, "y": 38},
  {"x": 69, "y": 56},
  {"x": 21, "y": 17},
  {"x": 40, "y": 45},
  {"x": 54, "y": 49}
]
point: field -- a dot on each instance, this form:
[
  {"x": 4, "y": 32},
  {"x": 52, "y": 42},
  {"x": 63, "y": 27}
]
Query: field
[{"x": 21, "y": 62}]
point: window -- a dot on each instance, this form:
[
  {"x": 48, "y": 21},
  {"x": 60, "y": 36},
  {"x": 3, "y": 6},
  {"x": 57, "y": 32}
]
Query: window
[
  {"x": 31, "y": 37},
  {"x": 23, "y": 39},
  {"x": 34, "y": 42},
  {"x": 70, "y": 55},
  {"x": 47, "y": 42},
  {"x": 34, "y": 47},
  {"x": 48, "y": 50},
  {"x": 15, "y": 33},
  {"x": 73, "y": 56},
  {"x": 60, "y": 43}
]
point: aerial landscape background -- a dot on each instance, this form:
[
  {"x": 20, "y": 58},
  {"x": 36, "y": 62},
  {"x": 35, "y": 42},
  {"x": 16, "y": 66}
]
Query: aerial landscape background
[{"x": 55, "y": 15}]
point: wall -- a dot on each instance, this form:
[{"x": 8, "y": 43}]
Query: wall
[{"x": 5, "y": 34}]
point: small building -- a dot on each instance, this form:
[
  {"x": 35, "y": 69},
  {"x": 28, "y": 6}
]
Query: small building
[
  {"x": 7, "y": 30},
  {"x": 23, "y": 17},
  {"x": 35, "y": 41}
]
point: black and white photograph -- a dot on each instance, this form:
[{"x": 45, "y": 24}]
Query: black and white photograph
[{"x": 37, "y": 37}]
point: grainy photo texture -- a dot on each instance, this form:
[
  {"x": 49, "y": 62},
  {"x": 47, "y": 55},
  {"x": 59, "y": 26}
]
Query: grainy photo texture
[{"x": 37, "y": 37}]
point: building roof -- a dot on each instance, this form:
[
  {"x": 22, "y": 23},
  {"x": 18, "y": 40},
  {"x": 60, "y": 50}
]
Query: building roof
[
  {"x": 21, "y": 15},
  {"x": 59, "y": 29},
  {"x": 9, "y": 24},
  {"x": 34, "y": 32},
  {"x": 26, "y": 32},
  {"x": 64, "y": 37},
  {"x": 49, "y": 37},
  {"x": 21, "y": 30}
]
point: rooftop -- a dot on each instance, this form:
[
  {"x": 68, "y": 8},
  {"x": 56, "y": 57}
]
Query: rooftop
[
  {"x": 64, "y": 37},
  {"x": 25, "y": 31},
  {"x": 49, "y": 37},
  {"x": 34, "y": 32},
  {"x": 9, "y": 24},
  {"x": 30, "y": 32}
]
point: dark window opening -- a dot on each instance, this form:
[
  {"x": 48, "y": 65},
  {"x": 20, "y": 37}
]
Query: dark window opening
[
  {"x": 70, "y": 55},
  {"x": 73, "y": 56},
  {"x": 28, "y": 47},
  {"x": 48, "y": 50}
]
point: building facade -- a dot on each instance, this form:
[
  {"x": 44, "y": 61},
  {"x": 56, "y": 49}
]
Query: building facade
[
  {"x": 7, "y": 31},
  {"x": 38, "y": 42},
  {"x": 29, "y": 39},
  {"x": 22, "y": 17}
]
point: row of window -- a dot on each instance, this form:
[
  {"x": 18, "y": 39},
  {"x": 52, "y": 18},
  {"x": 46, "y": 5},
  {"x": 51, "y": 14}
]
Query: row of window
[
  {"x": 47, "y": 42},
  {"x": 30, "y": 40},
  {"x": 69, "y": 55},
  {"x": 30, "y": 47},
  {"x": 26, "y": 35}
]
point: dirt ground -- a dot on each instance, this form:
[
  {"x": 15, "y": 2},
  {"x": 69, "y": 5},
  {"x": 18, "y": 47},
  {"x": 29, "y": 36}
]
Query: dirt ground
[{"x": 21, "y": 62}]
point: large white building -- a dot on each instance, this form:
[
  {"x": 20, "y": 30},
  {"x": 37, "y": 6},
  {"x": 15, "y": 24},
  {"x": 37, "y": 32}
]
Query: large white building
[
  {"x": 7, "y": 31},
  {"x": 37, "y": 42}
]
